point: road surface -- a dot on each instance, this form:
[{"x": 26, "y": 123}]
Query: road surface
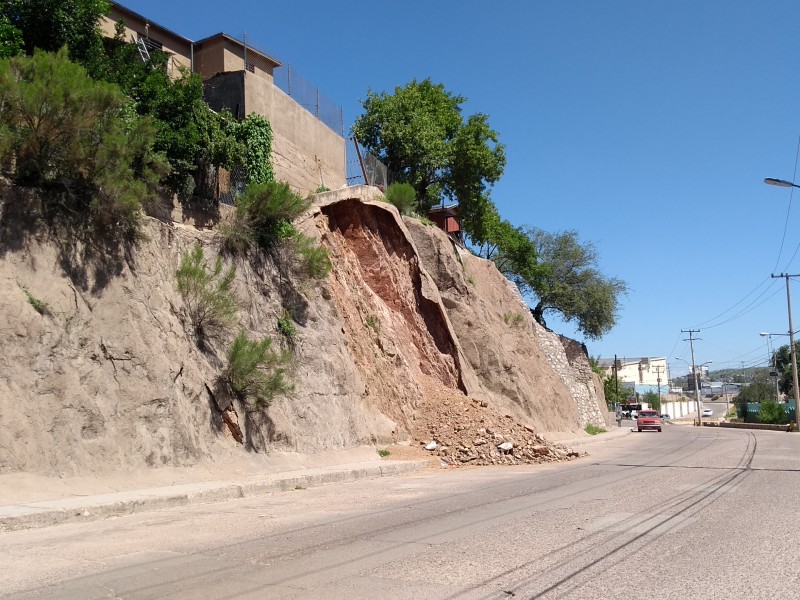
[{"x": 686, "y": 513}]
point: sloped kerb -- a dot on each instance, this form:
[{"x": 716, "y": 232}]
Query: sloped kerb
[{"x": 90, "y": 508}]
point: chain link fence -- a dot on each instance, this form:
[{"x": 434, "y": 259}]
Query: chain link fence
[
  {"x": 222, "y": 184},
  {"x": 365, "y": 168}
]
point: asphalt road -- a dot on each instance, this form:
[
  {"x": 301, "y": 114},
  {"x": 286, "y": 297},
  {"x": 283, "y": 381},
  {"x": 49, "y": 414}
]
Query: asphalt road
[{"x": 687, "y": 513}]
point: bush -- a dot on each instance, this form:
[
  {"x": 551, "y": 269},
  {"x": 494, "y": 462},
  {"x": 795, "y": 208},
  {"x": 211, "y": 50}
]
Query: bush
[
  {"x": 593, "y": 429},
  {"x": 263, "y": 217},
  {"x": 256, "y": 373},
  {"x": 771, "y": 412},
  {"x": 210, "y": 302},
  {"x": 403, "y": 196},
  {"x": 78, "y": 138},
  {"x": 314, "y": 260},
  {"x": 286, "y": 327}
]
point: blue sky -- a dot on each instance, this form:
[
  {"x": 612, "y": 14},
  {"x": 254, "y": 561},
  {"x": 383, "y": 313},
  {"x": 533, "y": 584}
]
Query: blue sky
[{"x": 646, "y": 126}]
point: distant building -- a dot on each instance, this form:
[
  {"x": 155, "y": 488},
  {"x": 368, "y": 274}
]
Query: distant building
[
  {"x": 446, "y": 218},
  {"x": 644, "y": 373}
]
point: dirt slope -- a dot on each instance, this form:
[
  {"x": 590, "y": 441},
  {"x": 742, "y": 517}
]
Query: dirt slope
[{"x": 111, "y": 378}]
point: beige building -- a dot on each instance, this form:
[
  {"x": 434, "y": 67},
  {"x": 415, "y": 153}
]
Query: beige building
[
  {"x": 306, "y": 153},
  {"x": 640, "y": 371}
]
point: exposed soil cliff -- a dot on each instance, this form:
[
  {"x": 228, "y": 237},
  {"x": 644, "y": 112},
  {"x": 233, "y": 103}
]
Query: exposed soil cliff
[{"x": 107, "y": 374}]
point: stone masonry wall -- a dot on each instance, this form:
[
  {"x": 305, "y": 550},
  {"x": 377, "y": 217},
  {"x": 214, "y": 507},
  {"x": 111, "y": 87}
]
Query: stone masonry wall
[{"x": 569, "y": 360}]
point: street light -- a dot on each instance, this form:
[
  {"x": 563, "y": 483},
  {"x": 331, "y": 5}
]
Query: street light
[
  {"x": 694, "y": 369},
  {"x": 795, "y": 386},
  {"x": 773, "y": 361},
  {"x": 780, "y": 182}
]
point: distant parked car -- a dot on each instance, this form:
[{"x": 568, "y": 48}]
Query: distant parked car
[
  {"x": 665, "y": 417},
  {"x": 648, "y": 419},
  {"x": 707, "y": 412}
]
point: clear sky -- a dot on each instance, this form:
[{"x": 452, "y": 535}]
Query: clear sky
[{"x": 646, "y": 126}]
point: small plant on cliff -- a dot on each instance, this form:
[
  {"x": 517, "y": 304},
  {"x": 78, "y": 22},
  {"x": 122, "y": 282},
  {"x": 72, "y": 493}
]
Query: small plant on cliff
[
  {"x": 593, "y": 429},
  {"x": 256, "y": 373},
  {"x": 263, "y": 218},
  {"x": 402, "y": 196},
  {"x": 321, "y": 189},
  {"x": 512, "y": 319},
  {"x": 39, "y": 306},
  {"x": 383, "y": 453},
  {"x": 372, "y": 322},
  {"x": 206, "y": 290},
  {"x": 286, "y": 327}
]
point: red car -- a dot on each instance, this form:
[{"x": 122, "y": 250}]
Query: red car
[{"x": 648, "y": 419}]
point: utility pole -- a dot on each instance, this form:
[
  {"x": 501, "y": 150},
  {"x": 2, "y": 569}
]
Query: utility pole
[
  {"x": 658, "y": 380},
  {"x": 795, "y": 389},
  {"x": 691, "y": 341}
]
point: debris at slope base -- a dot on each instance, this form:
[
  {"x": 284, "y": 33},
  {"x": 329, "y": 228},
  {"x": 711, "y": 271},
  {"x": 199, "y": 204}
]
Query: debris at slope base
[{"x": 468, "y": 432}]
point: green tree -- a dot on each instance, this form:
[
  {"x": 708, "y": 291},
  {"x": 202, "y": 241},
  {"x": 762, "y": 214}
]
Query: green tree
[
  {"x": 759, "y": 390},
  {"x": 512, "y": 250},
  {"x": 51, "y": 24},
  {"x": 615, "y": 393},
  {"x": 783, "y": 364},
  {"x": 11, "y": 42},
  {"x": 572, "y": 285},
  {"x": 189, "y": 133},
  {"x": 256, "y": 372},
  {"x": 421, "y": 135},
  {"x": 653, "y": 399},
  {"x": 79, "y": 137},
  {"x": 771, "y": 412},
  {"x": 206, "y": 290}
]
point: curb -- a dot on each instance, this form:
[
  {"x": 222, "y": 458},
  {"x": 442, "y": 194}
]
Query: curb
[
  {"x": 90, "y": 508},
  {"x": 611, "y": 434}
]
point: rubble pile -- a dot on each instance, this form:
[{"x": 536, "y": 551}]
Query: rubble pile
[{"x": 465, "y": 431}]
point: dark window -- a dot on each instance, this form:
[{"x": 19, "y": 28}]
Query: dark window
[{"x": 150, "y": 43}]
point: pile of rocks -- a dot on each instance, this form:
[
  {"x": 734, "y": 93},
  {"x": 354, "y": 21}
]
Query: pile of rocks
[{"x": 461, "y": 430}]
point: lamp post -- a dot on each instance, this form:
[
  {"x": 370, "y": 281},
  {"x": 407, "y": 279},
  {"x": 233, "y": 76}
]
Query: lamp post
[
  {"x": 694, "y": 368},
  {"x": 773, "y": 362},
  {"x": 786, "y": 276}
]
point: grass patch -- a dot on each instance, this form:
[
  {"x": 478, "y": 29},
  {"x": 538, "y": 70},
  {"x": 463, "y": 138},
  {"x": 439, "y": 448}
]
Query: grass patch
[
  {"x": 594, "y": 429},
  {"x": 39, "y": 306},
  {"x": 383, "y": 453},
  {"x": 512, "y": 319}
]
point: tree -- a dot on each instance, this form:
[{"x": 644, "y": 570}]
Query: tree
[
  {"x": 189, "y": 133},
  {"x": 771, "y": 412},
  {"x": 11, "y": 42},
  {"x": 571, "y": 284},
  {"x": 513, "y": 252},
  {"x": 419, "y": 132},
  {"x": 783, "y": 364},
  {"x": 77, "y": 137},
  {"x": 653, "y": 400},
  {"x": 615, "y": 393},
  {"x": 51, "y": 24}
]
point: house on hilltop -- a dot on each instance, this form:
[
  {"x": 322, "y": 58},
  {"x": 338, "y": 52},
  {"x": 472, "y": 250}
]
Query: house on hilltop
[{"x": 307, "y": 152}]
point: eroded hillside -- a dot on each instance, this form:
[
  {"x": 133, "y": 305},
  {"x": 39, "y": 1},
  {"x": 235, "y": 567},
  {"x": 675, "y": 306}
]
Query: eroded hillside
[{"x": 408, "y": 339}]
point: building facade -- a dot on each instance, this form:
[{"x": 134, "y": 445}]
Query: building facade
[{"x": 306, "y": 152}]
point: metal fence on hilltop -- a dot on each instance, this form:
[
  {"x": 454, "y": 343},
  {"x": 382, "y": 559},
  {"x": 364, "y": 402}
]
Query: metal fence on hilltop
[{"x": 365, "y": 168}]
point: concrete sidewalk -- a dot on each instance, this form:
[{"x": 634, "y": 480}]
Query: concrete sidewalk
[
  {"x": 22, "y": 512},
  {"x": 27, "y": 515}
]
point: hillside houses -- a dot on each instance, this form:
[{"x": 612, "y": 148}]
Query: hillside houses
[{"x": 306, "y": 152}]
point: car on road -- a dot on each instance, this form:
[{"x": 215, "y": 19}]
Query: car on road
[
  {"x": 648, "y": 419},
  {"x": 707, "y": 412},
  {"x": 665, "y": 417}
]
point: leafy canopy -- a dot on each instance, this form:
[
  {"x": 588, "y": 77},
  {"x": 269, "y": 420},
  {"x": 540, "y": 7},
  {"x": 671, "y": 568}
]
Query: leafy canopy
[
  {"x": 419, "y": 132},
  {"x": 51, "y": 24},
  {"x": 572, "y": 285},
  {"x": 77, "y": 137}
]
